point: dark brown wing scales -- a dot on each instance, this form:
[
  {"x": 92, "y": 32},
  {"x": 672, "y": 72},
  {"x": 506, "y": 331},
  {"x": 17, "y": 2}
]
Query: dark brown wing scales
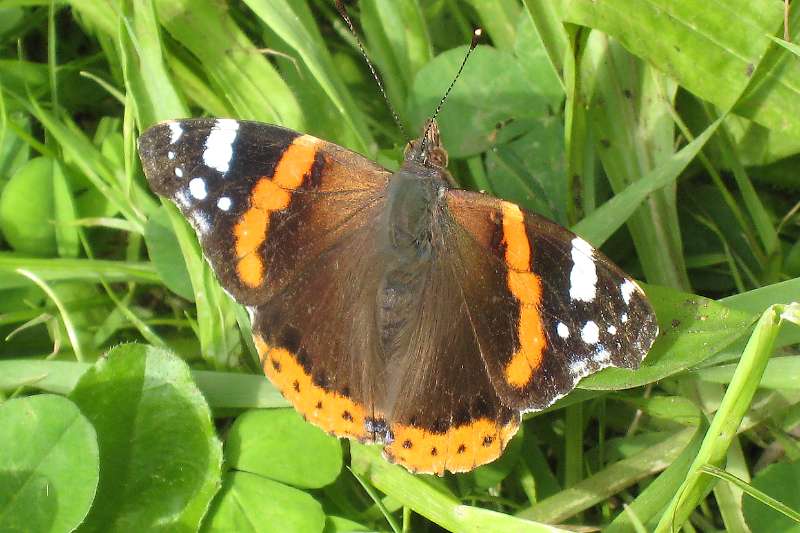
[
  {"x": 441, "y": 407},
  {"x": 276, "y": 211},
  {"x": 577, "y": 312},
  {"x": 237, "y": 183},
  {"x": 442, "y": 410}
]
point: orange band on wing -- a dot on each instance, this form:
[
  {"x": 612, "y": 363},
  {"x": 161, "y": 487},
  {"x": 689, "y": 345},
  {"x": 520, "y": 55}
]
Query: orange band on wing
[
  {"x": 331, "y": 411},
  {"x": 459, "y": 449},
  {"x": 527, "y": 288},
  {"x": 296, "y": 162},
  {"x": 270, "y": 194},
  {"x": 518, "y": 248}
]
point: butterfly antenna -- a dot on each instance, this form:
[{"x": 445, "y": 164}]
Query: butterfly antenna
[
  {"x": 476, "y": 35},
  {"x": 340, "y": 7}
]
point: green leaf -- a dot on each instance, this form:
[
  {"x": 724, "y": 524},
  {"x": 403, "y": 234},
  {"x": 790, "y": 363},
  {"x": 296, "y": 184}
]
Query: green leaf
[
  {"x": 531, "y": 51},
  {"x": 49, "y": 465},
  {"x": 547, "y": 20},
  {"x": 499, "y": 19},
  {"x": 28, "y": 226},
  {"x": 432, "y": 500},
  {"x": 632, "y": 123},
  {"x": 782, "y": 482},
  {"x": 251, "y": 503},
  {"x": 72, "y": 269},
  {"x": 599, "y": 225},
  {"x": 222, "y": 390},
  {"x": 305, "y": 41},
  {"x": 398, "y": 55},
  {"x": 535, "y": 183},
  {"x": 793, "y": 48},
  {"x": 732, "y": 409},
  {"x": 279, "y": 444},
  {"x": 155, "y": 97},
  {"x": 338, "y": 524},
  {"x": 66, "y": 231},
  {"x": 160, "y": 457},
  {"x": 165, "y": 253},
  {"x": 491, "y": 91},
  {"x": 231, "y": 61},
  {"x": 782, "y": 373},
  {"x": 652, "y": 500},
  {"x": 694, "y": 39},
  {"x": 610, "y": 480},
  {"x": 692, "y": 329}
]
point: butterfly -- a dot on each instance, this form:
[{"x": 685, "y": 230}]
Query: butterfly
[{"x": 391, "y": 307}]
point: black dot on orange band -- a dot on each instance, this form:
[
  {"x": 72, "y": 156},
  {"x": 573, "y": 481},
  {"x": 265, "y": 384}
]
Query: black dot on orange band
[
  {"x": 434, "y": 451},
  {"x": 319, "y": 405},
  {"x": 296, "y": 386},
  {"x": 347, "y": 416},
  {"x": 407, "y": 444},
  {"x": 276, "y": 365},
  {"x": 462, "y": 449},
  {"x": 487, "y": 440}
]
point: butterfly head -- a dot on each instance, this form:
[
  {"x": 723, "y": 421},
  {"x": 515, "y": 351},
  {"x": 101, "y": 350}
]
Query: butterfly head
[{"x": 427, "y": 150}]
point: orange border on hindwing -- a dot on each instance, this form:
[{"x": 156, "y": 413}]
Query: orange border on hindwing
[
  {"x": 459, "y": 449},
  {"x": 331, "y": 411}
]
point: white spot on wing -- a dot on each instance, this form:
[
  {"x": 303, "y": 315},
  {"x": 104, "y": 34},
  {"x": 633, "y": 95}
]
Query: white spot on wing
[
  {"x": 197, "y": 188},
  {"x": 219, "y": 144},
  {"x": 563, "y": 330},
  {"x": 170, "y": 155},
  {"x": 224, "y": 203},
  {"x": 578, "y": 368},
  {"x": 200, "y": 222},
  {"x": 602, "y": 355},
  {"x": 179, "y": 172},
  {"x": 182, "y": 199},
  {"x": 624, "y": 317},
  {"x": 590, "y": 333},
  {"x": 583, "y": 277},
  {"x": 175, "y": 132},
  {"x": 627, "y": 289},
  {"x": 612, "y": 329}
]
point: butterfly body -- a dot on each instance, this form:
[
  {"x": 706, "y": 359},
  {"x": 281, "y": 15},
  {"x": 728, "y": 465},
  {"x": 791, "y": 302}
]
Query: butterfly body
[{"x": 390, "y": 307}]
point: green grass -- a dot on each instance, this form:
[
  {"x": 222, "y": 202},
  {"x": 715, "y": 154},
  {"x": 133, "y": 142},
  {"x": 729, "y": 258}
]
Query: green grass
[{"x": 667, "y": 132}]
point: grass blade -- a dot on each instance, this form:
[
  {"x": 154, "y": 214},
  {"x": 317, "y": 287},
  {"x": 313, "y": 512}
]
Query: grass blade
[
  {"x": 726, "y": 421},
  {"x": 599, "y": 225}
]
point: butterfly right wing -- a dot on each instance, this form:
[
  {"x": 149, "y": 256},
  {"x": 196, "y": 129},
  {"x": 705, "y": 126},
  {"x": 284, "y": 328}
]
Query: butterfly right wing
[{"x": 563, "y": 310}]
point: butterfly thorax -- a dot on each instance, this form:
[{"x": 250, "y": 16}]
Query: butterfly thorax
[{"x": 405, "y": 235}]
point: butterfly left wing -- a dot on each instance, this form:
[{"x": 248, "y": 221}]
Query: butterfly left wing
[
  {"x": 564, "y": 310},
  {"x": 282, "y": 218}
]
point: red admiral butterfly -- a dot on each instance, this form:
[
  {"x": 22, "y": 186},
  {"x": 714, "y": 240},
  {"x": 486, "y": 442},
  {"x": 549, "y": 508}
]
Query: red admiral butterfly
[{"x": 388, "y": 306}]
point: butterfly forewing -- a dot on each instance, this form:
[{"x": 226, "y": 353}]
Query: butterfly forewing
[
  {"x": 246, "y": 187},
  {"x": 565, "y": 309}
]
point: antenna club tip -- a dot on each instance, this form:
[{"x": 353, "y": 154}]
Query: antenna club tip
[{"x": 476, "y": 35}]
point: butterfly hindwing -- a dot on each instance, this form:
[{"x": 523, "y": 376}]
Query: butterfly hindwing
[{"x": 441, "y": 407}]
